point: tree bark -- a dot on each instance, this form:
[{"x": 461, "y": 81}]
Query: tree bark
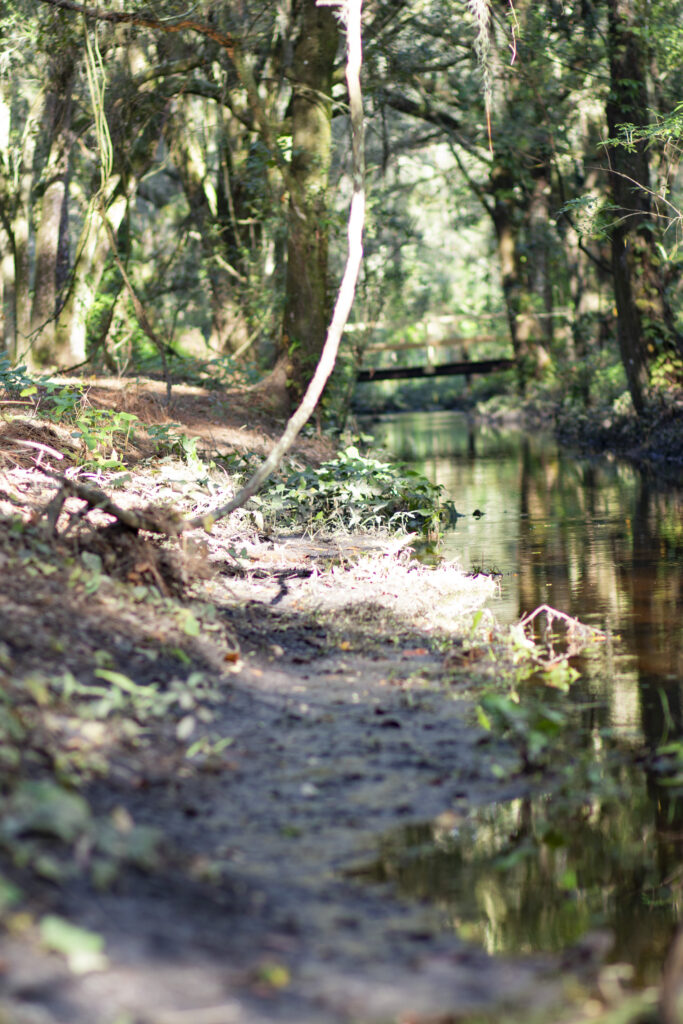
[
  {"x": 521, "y": 302},
  {"x": 210, "y": 212},
  {"x": 645, "y": 323},
  {"x": 306, "y": 291},
  {"x": 93, "y": 249},
  {"x": 17, "y": 213},
  {"x": 57, "y": 128}
]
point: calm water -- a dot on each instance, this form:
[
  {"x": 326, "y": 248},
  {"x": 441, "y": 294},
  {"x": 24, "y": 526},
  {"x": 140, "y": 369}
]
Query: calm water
[{"x": 603, "y": 543}]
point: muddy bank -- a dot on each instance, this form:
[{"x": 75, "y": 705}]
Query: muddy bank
[
  {"x": 203, "y": 744},
  {"x": 340, "y": 720}
]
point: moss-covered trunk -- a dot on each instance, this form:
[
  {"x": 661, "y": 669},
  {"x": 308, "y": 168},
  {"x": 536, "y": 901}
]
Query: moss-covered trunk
[
  {"x": 306, "y": 299},
  {"x": 93, "y": 249},
  {"x": 511, "y": 221}
]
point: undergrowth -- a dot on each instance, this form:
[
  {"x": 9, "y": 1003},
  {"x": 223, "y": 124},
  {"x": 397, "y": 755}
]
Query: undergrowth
[
  {"x": 352, "y": 491},
  {"x": 357, "y": 492}
]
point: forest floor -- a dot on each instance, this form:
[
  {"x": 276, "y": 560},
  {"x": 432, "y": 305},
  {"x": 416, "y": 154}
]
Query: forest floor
[{"x": 204, "y": 740}]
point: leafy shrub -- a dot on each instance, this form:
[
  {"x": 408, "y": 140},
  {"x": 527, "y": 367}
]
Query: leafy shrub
[
  {"x": 13, "y": 378},
  {"x": 356, "y": 491}
]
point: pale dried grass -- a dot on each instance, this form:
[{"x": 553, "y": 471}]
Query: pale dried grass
[{"x": 441, "y": 597}]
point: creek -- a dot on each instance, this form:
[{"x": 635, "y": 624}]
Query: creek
[{"x": 604, "y": 543}]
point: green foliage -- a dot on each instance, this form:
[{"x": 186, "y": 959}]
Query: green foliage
[
  {"x": 44, "y": 821},
  {"x": 104, "y": 433},
  {"x": 533, "y": 725},
  {"x": 170, "y": 439},
  {"x": 14, "y": 378},
  {"x": 220, "y": 373},
  {"x": 357, "y": 491},
  {"x": 83, "y": 949},
  {"x": 100, "y": 430},
  {"x": 597, "y": 378},
  {"x": 591, "y": 215}
]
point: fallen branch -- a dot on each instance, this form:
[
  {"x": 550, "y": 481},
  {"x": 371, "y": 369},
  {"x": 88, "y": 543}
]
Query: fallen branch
[
  {"x": 578, "y": 635},
  {"x": 40, "y": 448},
  {"x": 163, "y": 521},
  {"x": 575, "y": 625}
]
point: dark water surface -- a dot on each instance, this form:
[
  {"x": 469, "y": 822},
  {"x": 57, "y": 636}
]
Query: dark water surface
[{"x": 604, "y": 543}]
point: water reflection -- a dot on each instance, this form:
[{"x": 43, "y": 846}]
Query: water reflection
[
  {"x": 603, "y": 543},
  {"x": 539, "y": 874},
  {"x": 594, "y": 539}
]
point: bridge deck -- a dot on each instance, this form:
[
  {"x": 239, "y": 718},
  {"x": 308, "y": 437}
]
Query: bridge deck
[{"x": 463, "y": 368}]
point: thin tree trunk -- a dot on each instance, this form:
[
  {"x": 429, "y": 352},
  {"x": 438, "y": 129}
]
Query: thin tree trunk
[
  {"x": 520, "y": 302},
  {"x": 8, "y": 336},
  {"x": 230, "y": 329},
  {"x": 20, "y": 233}
]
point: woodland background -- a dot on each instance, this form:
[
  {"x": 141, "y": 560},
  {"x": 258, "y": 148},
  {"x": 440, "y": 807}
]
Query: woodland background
[{"x": 174, "y": 185}]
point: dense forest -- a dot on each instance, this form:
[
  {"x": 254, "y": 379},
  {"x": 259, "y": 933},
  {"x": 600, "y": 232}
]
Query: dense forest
[
  {"x": 173, "y": 185},
  {"x": 380, "y": 721}
]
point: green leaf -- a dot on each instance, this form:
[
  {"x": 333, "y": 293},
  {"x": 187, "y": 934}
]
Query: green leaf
[
  {"x": 122, "y": 682},
  {"x": 568, "y": 880},
  {"x": 45, "y": 808},
  {"x": 483, "y": 718},
  {"x": 188, "y": 623},
  {"x": 83, "y": 949},
  {"x": 10, "y": 894}
]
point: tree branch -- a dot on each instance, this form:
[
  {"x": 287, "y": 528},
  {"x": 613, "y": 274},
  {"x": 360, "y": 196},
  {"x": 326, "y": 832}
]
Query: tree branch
[{"x": 226, "y": 42}]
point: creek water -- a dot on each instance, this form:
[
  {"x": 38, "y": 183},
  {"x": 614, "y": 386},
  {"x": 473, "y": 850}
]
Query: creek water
[{"x": 602, "y": 542}]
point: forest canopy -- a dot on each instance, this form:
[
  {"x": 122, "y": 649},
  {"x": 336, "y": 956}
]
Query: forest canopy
[{"x": 174, "y": 185}]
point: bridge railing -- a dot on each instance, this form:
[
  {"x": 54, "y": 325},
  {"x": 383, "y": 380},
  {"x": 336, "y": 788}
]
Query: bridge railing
[{"x": 437, "y": 341}]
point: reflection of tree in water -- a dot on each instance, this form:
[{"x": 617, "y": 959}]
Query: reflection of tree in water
[
  {"x": 656, "y": 592},
  {"x": 613, "y": 847},
  {"x": 537, "y": 874}
]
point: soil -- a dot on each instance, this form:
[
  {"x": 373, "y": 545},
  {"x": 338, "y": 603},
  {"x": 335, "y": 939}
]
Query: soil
[{"x": 274, "y": 704}]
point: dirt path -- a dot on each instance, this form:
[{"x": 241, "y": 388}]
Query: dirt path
[{"x": 202, "y": 750}]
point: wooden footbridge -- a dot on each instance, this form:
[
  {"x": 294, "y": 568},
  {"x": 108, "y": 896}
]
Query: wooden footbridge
[
  {"x": 438, "y": 341},
  {"x": 460, "y": 368}
]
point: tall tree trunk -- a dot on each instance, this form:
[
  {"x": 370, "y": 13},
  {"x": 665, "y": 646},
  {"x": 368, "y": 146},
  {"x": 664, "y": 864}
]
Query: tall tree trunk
[
  {"x": 538, "y": 272},
  {"x": 57, "y": 125},
  {"x": 645, "y": 324},
  {"x": 93, "y": 249},
  {"x": 19, "y": 232},
  {"x": 8, "y": 336},
  {"x": 16, "y": 183},
  {"x": 306, "y": 293},
  {"x": 211, "y": 214},
  {"x": 521, "y": 304}
]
